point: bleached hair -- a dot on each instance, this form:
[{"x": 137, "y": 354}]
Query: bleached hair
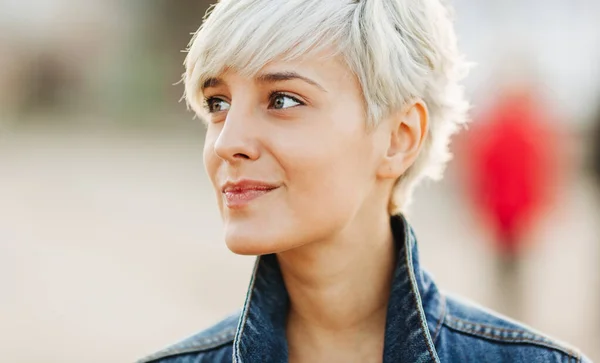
[{"x": 398, "y": 49}]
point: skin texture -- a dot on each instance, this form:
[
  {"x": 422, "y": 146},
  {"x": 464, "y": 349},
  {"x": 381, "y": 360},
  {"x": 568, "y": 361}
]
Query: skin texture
[{"x": 300, "y": 127}]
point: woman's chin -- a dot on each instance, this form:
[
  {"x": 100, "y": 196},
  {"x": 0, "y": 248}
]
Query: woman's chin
[
  {"x": 251, "y": 244},
  {"x": 251, "y": 237}
]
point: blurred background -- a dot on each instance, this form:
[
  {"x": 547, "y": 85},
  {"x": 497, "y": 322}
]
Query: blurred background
[{"x": 110, "y": 243}]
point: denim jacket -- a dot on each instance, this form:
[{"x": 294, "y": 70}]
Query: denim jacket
[{"x": 423, "y": 324}]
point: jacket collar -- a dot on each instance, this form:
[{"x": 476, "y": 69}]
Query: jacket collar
[{"x": 414, "y": 309}]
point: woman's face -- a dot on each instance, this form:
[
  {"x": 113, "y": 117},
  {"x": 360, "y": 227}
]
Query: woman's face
[{"x": 289, "y": 154}]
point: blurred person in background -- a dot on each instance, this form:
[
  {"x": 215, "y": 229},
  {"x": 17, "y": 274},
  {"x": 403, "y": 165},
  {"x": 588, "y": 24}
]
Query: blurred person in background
[
  {"x": 595, "y": 158},
  {"x": 595, "y": 164},
  {"x": 322, "y": 118},
  {"x": 513, "y": 162}
]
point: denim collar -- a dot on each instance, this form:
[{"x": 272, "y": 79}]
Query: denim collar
[{"x": 410, "y": 323}]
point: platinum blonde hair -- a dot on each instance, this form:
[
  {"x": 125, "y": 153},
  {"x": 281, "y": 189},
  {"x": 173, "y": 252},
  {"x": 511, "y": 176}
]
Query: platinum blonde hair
[{"x": 398, "y": 49}]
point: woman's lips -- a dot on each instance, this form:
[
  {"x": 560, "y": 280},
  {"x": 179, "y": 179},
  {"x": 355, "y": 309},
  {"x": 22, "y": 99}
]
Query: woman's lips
[{"x": 240, "y": 194}]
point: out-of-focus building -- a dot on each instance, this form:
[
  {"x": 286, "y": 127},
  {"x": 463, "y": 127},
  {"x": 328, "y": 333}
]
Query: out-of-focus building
[{"x": 54, "y": 50}]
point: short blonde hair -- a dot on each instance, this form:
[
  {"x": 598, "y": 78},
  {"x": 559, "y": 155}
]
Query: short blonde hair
[{"x": 398, "y": 50}]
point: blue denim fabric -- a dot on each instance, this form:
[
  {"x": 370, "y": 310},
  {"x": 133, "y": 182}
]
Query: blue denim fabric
[{"x": 423, "y": 325}]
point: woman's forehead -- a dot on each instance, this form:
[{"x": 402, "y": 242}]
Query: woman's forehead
[
  {"x": 323, "y": 70},
  {"x": 251, "y": 37}
]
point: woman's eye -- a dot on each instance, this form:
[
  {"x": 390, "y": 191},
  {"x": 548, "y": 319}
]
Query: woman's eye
[
  {"x": 280, "y": 101},
  {"x": 217, "y": 105}
]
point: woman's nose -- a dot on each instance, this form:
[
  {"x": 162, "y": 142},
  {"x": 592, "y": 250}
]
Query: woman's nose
[{"x": 237, "y": 139}]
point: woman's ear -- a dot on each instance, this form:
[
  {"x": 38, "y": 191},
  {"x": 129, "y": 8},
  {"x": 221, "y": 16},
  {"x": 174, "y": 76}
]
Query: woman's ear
[{"x": 406, "y": 136}]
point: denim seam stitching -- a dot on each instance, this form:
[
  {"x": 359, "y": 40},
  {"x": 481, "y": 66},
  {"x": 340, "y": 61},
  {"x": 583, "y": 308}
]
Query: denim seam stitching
[
  {"x": 415, "y": 290},
  {"x": 244, "y": 317},
  {"x": 451, "y": 321},
  {"x": 220, "y": 339},
  {"x": 441, "y": 320}
]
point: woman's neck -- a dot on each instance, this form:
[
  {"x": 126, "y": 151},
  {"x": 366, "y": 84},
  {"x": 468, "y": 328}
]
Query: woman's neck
[{"x": 339, "y": 291}]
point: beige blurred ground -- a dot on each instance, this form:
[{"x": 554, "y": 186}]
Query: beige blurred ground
[{"x": 110, "y": 248}]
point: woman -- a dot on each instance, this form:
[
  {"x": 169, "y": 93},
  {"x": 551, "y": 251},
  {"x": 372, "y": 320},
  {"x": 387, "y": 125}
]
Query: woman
[{"x": 322, "y": 116}]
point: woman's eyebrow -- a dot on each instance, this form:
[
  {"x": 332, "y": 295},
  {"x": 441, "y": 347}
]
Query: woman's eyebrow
[
  {"x": 211, "y": 82},
  {"x": 286, "y": 76}
]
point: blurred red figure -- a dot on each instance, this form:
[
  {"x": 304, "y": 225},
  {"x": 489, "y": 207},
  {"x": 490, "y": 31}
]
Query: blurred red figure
[{"x": 513, "y": 162}]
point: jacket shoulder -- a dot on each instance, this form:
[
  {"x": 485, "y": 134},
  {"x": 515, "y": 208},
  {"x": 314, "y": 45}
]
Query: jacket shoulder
[
  {"x": 218, "y": 337},
  {"x": 470, "y": 331}
]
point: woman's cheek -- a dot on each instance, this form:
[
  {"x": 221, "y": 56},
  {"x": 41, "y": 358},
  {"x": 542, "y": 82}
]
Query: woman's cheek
[{"x": 210, "y": 158}]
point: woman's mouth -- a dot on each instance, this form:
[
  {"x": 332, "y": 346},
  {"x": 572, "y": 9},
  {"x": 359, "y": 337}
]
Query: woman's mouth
[{"x": 239, "y": 194}]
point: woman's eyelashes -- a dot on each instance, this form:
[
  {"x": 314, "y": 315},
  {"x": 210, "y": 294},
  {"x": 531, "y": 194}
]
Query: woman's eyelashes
[
  {"x": 277, "y": 101},
  {"x": 281, "y": 101},
  {"x": 216, "y": 104}
]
